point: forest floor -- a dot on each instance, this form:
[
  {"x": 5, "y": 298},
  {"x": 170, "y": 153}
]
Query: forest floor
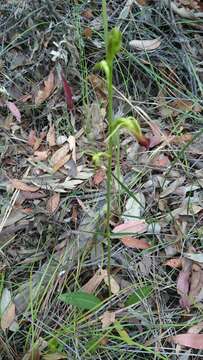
[{"x": 65, "y": 291}]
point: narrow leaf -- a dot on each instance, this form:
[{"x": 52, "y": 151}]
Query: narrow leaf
[
  {"x": 68, "y": 93},
  {"x": 136, "y": 226},
  {"x": 14, "y": 110},
  {"x": 146, "y": 45},
  {"x": 20, "y": 185}
]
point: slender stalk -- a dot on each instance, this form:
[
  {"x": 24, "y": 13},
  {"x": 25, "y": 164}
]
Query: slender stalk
[
  {"x": 105, "y": 23},
  {"x": 109, "y": 174},
  {"x": 110, "y": 144}
]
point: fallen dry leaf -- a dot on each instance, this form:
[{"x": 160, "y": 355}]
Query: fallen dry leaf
[
  {"x": 93, "y": 283},
  {"x": 61, "y": 162},
  {"x": 161, "y": 161},
  {"x": 59, "y": 154},
  {"x": 174, "y": 263},
  {"x": 51, "y": 136},
  {"x": 146, "y": 45},
  {"x": 115, "y": 288},
  {"x": 99, "y": 86},
  {"x": 53, "y": 203},
  {"x": 134, "y": 243},
  {"x": 20, "y": 185},
  {"x": 183, "y": 282},
  {"x": 26, "y": 195},
  {"x": 136, "y": 226},
  {"x": 54, "y": 356},
  {"x": 99, "y": 176},
  {"x": 194, "y": 341},
  {"x": 184, "y": 105},
  {"x": 68, "y": 93},
  {"x": 177, "y": 140},
  {"x": 107, "y": 318},
  {"x": 87, "y": 33},
  {"x": 195, "y": 329},
  {"x": 14, "y": 110},
  {"x": 172, "y": 187},
  {"x": 41, "y": 155},
  {"x": 46, "y": 91},
  {"x": 31, "y": 138},
  {"x": 87, "y": 14},
  {"x": 8, "y": 317}
]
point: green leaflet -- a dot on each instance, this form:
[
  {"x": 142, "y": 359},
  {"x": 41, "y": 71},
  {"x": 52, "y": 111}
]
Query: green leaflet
[
  {"x": 80, "y": 299},
  {"x": 139, "y": 295}
]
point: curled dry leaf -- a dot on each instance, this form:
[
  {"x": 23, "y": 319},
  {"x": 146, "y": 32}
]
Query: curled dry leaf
[
  {"x": 46, "y": 91},
  {"x": 51, "y": 136},
  {"x": 20, "y": 185},
  {"x": 194, "y": 341},
  {"x": 136, "y": 226},
  {"x": 14, "y": 110},
  {"x": 135, "y": 243},
  {"x": 107, "y": 319},
  {"x": 53, "y": 203},
  {"x": 174, "y": 263},
  {"x": 146, "y": 45}
]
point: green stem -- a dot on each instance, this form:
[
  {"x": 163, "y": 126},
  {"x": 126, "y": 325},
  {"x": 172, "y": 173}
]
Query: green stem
[
  {"x": 109, "y": 173},
  {"x": 105, "y": 23},
  {"x": 110, "y": 144}
]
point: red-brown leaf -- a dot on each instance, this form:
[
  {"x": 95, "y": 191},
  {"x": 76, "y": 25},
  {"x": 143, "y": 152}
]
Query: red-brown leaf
[
  {"x": 20, "y": 185},
  {"x": 68, "y": 93},
  {"x": 99, "y": 176},
  {"x": 194, "y": 341},
  {"x": 137, "y": 226},
  {"x": 135, "y": 243}
]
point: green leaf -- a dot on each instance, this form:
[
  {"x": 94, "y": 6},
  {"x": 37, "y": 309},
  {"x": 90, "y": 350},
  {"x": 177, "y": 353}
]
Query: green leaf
[
  {"x": 82, "y": 300},
  {"x": 139, "y": 295},
  {"x": 93, "y": 344},
  {"x": 123, "y": 333}
]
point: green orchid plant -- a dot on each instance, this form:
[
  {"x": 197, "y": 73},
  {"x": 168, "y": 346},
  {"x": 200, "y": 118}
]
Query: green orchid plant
[{"x": 113, "y": 42}]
